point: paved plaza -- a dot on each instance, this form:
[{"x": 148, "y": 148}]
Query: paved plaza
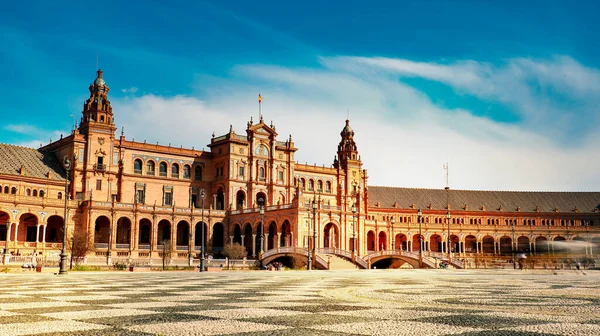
[{"x": 379, "y": 302}]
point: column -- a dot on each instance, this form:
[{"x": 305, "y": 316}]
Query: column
[
  {"x": 266, "y": 243},
  {"x": 495, "y": 248},
  {"x": 477, "y": 248},
  {"x": 16, "y": 232},
  {"x": 37, "y": 233},
  {"x": 231, "y": 240},
  {"x": 243, "y": 240},
  {"x": 253, "y": 246},
  {"x": 44, "y": 235},
  {"x": 8, "y": 232},
  {"x": 278, "y": 241}
]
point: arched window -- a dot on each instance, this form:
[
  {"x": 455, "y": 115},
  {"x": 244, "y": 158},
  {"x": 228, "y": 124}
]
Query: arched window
[
  {"x": 150, "y": 168},
  {"x": 137, "y": 166},
  {"x": 28, "y": 192},
  {"x": 320, "y": 185},
  {"x": 59, "y": 195},
  {"x": 175, "y": 170},
  {"x": 42, "y": 193},
  {"x": 302, "y": 184},
  {"x": 198, "y": 173},
  {"x": 13, "y": 190},
  {"x": 327, "y": 186},
  {"x": 186, "y": 171},
  {"x": 311, "y": 184},
  {"x": 162, "y": 169},
  {"x": 261, "y": 172},
  {"x": 34, "y": 194},
  {"x": 6, "y": 190}
]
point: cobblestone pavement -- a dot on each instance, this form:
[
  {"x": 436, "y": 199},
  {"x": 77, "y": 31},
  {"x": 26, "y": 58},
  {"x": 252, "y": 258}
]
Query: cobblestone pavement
[{"x": 380, "y": 302}]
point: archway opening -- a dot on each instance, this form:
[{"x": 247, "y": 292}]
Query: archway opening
[
  {"x": 199, "y": 240},
  {"x": 248, "y": 239},
  {"x": 145, "y": 233},
  {"x": 240, "y": 199},
  {"x": 102, "y": 231},
  {"x": 470, "y": 244},
  {"x": 54, "y": 229},
  {"x": 505, "y": 245},
  {"x": 487, "y": 244},
  {"x": 220, "y": 199},
  {"x": 435, "y": 243},
  {"x": 27, "y": 228},
  {"x": 218, "y": 238},
  {"x": 401, "y": 242},
  {"x": 382, "y": 242},
  {"x": 371, "y": 241},
  {"x": 237, "y": 234},
  {"x": 163, "y": 236},
  {"x": 261, "y": 199},
  {"x": 541, "y": 245},
  {"x": 123, "y": 232},
  {"x": 330, "y": 236},
  {"x": 286, "y": 234},
  {"x": 272, "y": 239},
  {"x": 523, "y": 244},
  {"x": 183, "y": 234}
]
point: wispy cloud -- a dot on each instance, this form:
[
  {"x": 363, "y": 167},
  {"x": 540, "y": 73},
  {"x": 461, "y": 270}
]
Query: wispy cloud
[
  {"x": 402, "y": 136},
  {"x": 130, "y": 90}
]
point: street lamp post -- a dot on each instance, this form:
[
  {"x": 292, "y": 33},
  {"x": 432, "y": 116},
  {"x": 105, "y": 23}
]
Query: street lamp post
[
  {"x": 314, "y": 246},
  {"x": 63, "y": 253},
  {"x": 513, "y": 243},
  {"x": 449, "y": 239},
  {"x": 202, "y": 197},
  {"x": 393, "y": 237},
  {"x": 309, "y": 266},
  {"x": 262, "y": 225},
  {"x": 419, "y": 216},
  {"x": 353, "y": 229}
]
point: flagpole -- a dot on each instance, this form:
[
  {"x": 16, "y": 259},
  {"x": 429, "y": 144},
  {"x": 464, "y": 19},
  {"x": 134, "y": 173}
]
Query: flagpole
[{"x": 259, "y": 107}]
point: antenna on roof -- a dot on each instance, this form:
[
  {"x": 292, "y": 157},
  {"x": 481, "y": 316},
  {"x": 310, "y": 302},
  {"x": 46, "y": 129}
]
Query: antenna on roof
[{"x": 446, "y": 171}]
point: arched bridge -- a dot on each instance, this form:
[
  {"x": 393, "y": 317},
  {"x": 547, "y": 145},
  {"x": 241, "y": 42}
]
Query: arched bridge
[{"x": 291, "y": 251}]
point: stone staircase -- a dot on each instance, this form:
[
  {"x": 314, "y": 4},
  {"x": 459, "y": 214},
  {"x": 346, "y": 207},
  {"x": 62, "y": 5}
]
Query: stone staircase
[{"x": 338, "y": 263}]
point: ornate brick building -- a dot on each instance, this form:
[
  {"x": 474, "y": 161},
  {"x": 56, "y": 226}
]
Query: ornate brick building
[{"x": 138, "y": 200}]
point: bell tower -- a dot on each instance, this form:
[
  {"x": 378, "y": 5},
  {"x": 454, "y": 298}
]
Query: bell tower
[
  {"x": 97, "y": 110},
  {"x": 352, "y": 179},
  {"x": 98, "y": 153}
]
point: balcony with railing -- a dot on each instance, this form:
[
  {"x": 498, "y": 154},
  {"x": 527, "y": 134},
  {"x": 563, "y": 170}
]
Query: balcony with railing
[{"x": 100, "y": 167}]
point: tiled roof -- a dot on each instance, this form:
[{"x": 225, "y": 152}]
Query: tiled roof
[
  {"x": 475, "y": 200},
  {"x": 35, "y": 162}
]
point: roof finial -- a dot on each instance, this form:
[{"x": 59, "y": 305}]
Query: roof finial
[{"x": 122, "y": 131}]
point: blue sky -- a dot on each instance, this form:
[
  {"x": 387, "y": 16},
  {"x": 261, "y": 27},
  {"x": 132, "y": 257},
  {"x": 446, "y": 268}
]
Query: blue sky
[{"x": 505, "y": 91}]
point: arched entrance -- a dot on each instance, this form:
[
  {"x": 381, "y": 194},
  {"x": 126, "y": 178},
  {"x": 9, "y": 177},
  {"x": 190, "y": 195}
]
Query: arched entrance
[
  {"x": 145, "y": 234},
  {"x": 27, "y": 231},
  {"x": 163, "y": 236},
  {"x": 261, "y": 199},
  {"x": 102, "y": 230},
  {"x": 416, "y": 243},
  {"x": 200, "y": 241},
  {"x": 248, "y": 239},
  {"x": 435, "y": 243},
  {"x": 4, "y": 218},
  {"x": 218, "y": 237},
  {"x": 331, "y": 236},
  {"x": 541, "y": 245},
  {"x": 505, "y": 245},
  {"x": 220, "y": 199},
  {"x": 54, "y": 229},
  {"x": 371, "y": 241},
  {"x": 382, "y": 242},
  {"x": 123, "y": 233},
  {"x": 454, "y": 244},
  {"x": 183, "y": 234},
  {"x": 401, "y": 242},
  {"x": 272, "y": 238},
  {"x": 286, "y": 234},
  {"x": 523, "y": 244},
  {"x": 237, "y": 234},
  {"x": 560, "y": 245},
  {"x": 470, "y": 244},
  {"x": 240, "y": 199},
  {"x": 487, "y": 244}
]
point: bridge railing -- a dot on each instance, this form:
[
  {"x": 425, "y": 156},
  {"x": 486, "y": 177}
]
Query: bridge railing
[
  {"x": 336, "y": 251},
  {"x": 361, "y": 262},
  {"x": 426, "y": 260},
  {"x": 322, "y": 261},
  {"x": 285, "y": 249}
]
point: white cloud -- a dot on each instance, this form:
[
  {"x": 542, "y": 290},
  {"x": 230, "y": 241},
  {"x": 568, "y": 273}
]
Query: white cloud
[
  {"x": 130, "y": 90},
  {"x": 404, "y": 139}
]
